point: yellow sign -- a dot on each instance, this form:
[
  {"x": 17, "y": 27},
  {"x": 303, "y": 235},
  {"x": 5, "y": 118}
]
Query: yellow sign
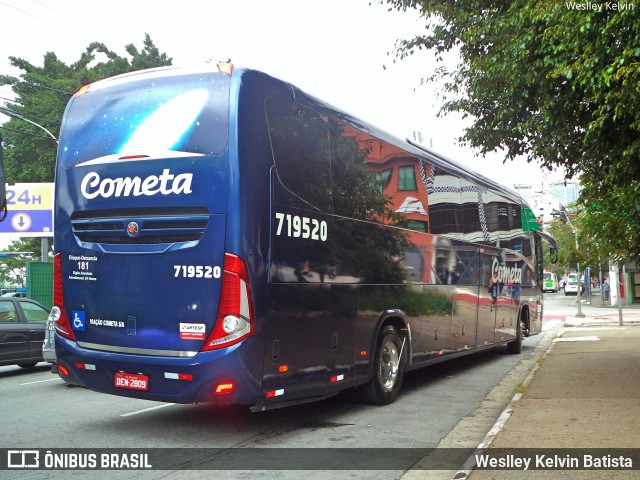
[
  {"x": 29, "y": 210},
  {"x": 30, "y": 196}
]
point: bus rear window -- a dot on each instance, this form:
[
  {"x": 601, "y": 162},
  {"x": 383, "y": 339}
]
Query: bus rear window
[{"x": 147, "y": 116}]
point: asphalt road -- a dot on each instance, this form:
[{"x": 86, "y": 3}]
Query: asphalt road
[{"x": 455, "y": 402}]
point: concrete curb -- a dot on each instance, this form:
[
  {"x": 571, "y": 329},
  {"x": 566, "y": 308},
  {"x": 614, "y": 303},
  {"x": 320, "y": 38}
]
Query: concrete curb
[{"x": 469, "y": 465}]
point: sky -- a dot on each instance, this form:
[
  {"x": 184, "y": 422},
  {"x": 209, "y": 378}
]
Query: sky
[{"x": 336, "y": 50}]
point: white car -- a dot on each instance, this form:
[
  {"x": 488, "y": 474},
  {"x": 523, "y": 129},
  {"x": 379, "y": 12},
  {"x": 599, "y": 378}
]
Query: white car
[
  {"x": 571, "y": 286},
  {"x": 15, "y": 294}
]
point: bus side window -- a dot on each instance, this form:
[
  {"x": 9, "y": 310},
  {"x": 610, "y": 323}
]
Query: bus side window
[
  {"x": 539, "y": 260},
  {"x": 445, "y": 204},
  {"x": 301, "y": 150}
]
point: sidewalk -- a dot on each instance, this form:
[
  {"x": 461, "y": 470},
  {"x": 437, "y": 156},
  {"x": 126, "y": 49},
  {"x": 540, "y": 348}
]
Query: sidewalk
[{"x": 585, "y": 393}]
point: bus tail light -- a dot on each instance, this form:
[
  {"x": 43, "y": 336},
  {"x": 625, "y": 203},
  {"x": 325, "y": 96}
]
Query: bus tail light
[
  {"x": 63, "y": 326},
  {"x": 235, "y": 314},
  {"x": 226, "y": 387}
]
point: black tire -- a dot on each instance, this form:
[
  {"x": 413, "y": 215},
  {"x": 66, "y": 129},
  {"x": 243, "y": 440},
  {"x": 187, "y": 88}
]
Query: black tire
[
  {"x": 27, "y": 365},
  {"x": 515, "y": 346},
  {"x": 388, "y": 370}
]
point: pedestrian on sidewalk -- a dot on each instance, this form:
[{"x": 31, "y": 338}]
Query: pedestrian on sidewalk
[{"x": 605, "y": 290}]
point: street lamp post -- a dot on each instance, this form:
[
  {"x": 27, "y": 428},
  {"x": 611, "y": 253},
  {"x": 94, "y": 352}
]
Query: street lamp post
[
  {"x": 11, "y": 113},
  {"x": 579, "y": 314},
  {"x": 562, "y": 212}
]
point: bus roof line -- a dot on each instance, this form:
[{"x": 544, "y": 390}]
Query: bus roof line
[{"x": 450, "y": 164}]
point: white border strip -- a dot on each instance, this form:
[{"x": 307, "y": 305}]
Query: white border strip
[
  {"x": 469, "y": 465},
  {"x": 145, "y": 410}
]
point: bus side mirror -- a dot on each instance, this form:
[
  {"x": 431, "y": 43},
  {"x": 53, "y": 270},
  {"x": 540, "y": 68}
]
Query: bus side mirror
[{"x": 553, "y": 253}]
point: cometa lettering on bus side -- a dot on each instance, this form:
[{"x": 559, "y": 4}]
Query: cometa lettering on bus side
[
  {"x": 166, "y": 183},
  {"x": 503, "y": 274}
]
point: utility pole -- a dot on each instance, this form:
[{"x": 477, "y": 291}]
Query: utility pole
[
  {"x": 579, "y": 314},
  {"x": 564, "y": 214}
]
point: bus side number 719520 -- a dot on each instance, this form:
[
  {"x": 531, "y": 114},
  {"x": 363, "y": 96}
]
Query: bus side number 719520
[{"x": 301, "y": 227}]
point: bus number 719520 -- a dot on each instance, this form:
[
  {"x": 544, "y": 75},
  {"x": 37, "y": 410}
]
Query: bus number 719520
[
  {"x": 197, "y": 271},
  {"x": 301, "y": 227}
]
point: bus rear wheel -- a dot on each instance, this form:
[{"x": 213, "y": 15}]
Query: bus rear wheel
[
  {"x": 515, "y": 346},
  {"x": 388, "y": 370}
]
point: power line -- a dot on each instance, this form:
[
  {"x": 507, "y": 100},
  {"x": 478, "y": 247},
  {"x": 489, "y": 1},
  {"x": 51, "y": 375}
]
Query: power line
[
  {"x": 11, "y": 113},
  {"x": 10, "y": 100},
  {"x": 45, "y": 87},
  {"x": 29, "y": 14},
  {"x": 62, "y": 14},
  {"x": 37, "y": 85},
  {"x": 24, "y": 132}
]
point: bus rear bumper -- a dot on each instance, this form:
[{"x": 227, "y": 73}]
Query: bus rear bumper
[{"x": 220, "y": 376}]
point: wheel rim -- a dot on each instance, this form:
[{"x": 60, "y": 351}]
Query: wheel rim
[{"x": 389, "y": 365}]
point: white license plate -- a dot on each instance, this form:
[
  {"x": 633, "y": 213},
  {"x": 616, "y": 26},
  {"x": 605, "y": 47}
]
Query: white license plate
[{"x": 131, "y": 381}]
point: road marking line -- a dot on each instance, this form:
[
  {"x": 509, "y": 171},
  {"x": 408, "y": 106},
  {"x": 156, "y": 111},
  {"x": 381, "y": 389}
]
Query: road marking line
[
  {"x": 591, "y": 338},
  {"x": 41, "y": 381},
  {"x": 144, "y": 410}
]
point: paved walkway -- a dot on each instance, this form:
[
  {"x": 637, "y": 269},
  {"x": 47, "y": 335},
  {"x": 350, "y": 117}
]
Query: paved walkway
[
  {"x": 580, "y": 391},
  {"x": 584, "y": 394}
]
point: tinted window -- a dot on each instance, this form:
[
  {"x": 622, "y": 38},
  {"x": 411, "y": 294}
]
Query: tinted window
[
  {"x": 301, "y": 150},
  {"x": 327, "y": 163},
  {"x": 8, "y": 312},
  {"x": 34, "y": 313}
]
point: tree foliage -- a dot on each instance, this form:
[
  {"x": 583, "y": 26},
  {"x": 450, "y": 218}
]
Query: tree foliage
[
  {"x": 42, "y": 94},
  {"x": 553, "y": 83},
  {"x": 13, "y": 268},
  {"x": 575, "y": 244}
]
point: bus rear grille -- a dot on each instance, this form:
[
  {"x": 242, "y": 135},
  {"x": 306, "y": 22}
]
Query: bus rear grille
[
  {"x": 139, "y": 230},
  {"x": 147, "y": 240}
]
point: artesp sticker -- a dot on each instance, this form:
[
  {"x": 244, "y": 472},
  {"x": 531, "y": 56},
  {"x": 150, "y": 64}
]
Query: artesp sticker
[{"x": 192, "y": 331}]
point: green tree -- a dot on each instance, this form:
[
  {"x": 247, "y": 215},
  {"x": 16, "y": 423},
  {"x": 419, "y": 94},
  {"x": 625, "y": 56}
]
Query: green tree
[
  {"x": 575, "y": 244},
  {"x": 42, "y": 94},
  {"x": 557, "y": 85},
  {"x": 13, "y": 268}
]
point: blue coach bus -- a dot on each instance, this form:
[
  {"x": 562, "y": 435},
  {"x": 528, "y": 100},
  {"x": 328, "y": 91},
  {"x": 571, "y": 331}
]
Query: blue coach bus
[{"x": 223, "y": 237}]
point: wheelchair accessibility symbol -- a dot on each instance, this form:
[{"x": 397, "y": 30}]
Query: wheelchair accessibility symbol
[{"x": 78, "y": 320}]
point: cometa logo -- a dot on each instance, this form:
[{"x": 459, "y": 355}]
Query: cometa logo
[
  {"x": 503, "y": 274},
  {"x": 93, "y": 186}
]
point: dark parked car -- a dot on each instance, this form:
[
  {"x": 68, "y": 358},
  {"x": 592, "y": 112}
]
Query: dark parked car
[{"x": 22, "y": 327}]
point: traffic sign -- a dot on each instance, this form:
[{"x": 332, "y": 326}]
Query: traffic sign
[
  {"x": 29, "y": 210},
  {"x": 21, "y": 222}
]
